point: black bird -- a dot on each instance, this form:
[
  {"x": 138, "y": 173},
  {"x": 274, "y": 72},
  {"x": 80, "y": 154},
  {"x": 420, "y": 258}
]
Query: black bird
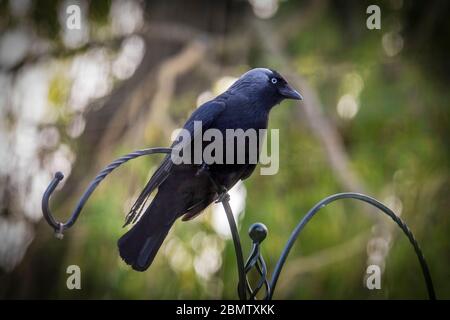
[{"x": 182, "y": 191}]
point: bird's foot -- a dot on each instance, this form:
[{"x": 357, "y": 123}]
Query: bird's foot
[{"x": 223, "y": 195}]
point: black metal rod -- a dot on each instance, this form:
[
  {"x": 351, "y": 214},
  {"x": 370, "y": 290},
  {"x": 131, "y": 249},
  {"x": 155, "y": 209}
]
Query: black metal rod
[
  {"x": 59, "y": 227},
  {"x": 237, "y": 248},
  {"x": 367, "y": 199}
]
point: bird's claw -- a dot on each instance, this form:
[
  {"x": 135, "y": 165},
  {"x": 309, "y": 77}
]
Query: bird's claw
[
  {"x": 223, "y": 195},
  {"x": 203, "y": 168}
]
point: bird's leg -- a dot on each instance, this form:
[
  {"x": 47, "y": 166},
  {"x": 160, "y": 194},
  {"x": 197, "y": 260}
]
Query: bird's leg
[
  {"x": 223, "y": 194},
  {"x": 221, "y": 190}
]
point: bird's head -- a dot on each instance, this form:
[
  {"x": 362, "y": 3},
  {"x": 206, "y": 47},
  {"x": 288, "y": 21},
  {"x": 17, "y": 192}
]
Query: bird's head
[{"x": 265, "y": 85}]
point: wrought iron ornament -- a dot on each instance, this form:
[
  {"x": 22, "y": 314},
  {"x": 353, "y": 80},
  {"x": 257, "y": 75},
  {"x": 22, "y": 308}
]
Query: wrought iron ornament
[{"x": 257, "y": 231}]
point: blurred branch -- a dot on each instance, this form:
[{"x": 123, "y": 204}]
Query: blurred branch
[
  {"x": 321, "y": 127},
  {"x": 124, "y": 112},
  {"x": 427, "y": 23},
  {"x": 300, "y": 18},
  {"x": 172, "y": 32},
  {"x": 322, "y": 259},
  {"x": 151, "y": 31},
  {"x": 170, "y": 70},
  {"x": 60, "y": 51}
]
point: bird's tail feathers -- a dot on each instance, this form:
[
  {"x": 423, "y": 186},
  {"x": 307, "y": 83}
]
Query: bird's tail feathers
[
  {"x": 138, "y": 247},
  {"x": 158, "y": 177}
]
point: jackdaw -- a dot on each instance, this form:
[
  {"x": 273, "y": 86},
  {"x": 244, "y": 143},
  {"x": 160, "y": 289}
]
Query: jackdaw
[{"x": 182, "y": 191}]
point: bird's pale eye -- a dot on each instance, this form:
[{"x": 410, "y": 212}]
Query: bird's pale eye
[{"x": 274, "y": 80}]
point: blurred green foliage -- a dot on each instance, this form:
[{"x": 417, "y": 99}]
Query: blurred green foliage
[{"x": 397, "y": 142}]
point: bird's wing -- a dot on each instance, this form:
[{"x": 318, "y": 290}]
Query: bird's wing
[{"x": 206, "y": 113}]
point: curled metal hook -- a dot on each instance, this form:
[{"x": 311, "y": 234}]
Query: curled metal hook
[{"x": 60, "y": 227}]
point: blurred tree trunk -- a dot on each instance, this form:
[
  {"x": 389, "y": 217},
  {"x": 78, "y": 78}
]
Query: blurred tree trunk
[{"x": 168, "y": 28}]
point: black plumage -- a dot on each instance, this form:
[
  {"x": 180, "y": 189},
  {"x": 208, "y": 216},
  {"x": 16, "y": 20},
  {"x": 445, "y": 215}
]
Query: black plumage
[{"x": 184, "y": 192}]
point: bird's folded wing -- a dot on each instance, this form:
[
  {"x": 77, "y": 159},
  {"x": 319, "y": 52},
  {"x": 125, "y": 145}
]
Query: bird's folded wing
[
  {"x": 206, "y": 113},
  {"x": 157, "y": 178}
]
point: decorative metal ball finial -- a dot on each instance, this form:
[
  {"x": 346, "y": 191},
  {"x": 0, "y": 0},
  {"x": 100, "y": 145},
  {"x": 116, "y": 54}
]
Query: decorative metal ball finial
[{"x": 257, "y": 232}]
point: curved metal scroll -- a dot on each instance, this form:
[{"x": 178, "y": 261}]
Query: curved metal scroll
[
  {"x": 367, "y": 199},
  {"x": 60, "y": 227}
]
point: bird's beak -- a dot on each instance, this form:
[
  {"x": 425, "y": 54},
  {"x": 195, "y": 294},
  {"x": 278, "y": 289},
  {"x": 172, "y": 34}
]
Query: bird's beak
[{"x": 290, "y": 93}]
